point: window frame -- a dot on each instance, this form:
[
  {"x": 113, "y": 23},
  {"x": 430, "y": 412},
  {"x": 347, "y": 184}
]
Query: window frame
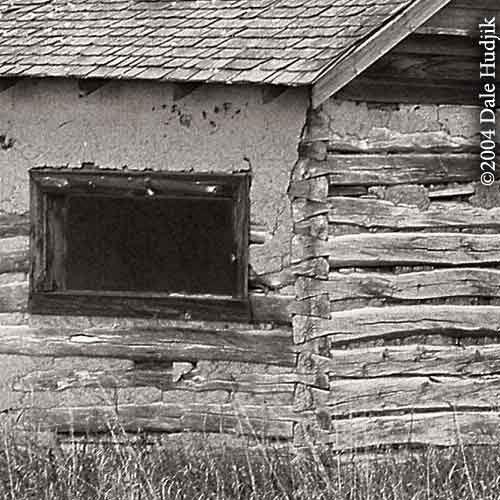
[{"x": 50, "y": 187}]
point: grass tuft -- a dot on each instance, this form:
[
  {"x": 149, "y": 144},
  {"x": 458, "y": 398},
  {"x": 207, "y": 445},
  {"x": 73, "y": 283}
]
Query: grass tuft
[{"x": 201, "y": 468}]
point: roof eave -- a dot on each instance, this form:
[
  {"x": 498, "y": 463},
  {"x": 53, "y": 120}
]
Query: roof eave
[{"x": 342, "y": 71}]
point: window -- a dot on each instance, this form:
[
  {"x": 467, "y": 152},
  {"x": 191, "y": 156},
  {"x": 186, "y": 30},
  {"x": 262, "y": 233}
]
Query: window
[{"x": 139, "y": 243}]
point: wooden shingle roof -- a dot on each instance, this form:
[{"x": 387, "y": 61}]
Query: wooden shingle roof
[{"x": 285, "y": 42}]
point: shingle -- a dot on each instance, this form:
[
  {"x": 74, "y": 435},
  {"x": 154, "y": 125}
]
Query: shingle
[{"x": 275, "y": 41}]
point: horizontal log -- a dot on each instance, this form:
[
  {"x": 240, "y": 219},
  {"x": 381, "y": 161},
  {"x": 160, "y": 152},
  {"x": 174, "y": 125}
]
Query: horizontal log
[
  {"x": 418, "y": 92},
  {"x": 449, "y": 192},
  {"x": 173, "y": 378},
  {"x": 315, "y": 189},
  {"x": 276, "y": 308},
  {"x": 406, "y": 394},
  {"x": 373, "y": 323},
  {"x": 418, "y": 360},
  {"x": 14, "y": 297},
  {"x": 260, "y": 307},
  {"x": 371, "y": 169},
  {"x": 14, "y": 254},
  {"x": 462, "y": 18},
  {"x": 440, "y": 283},
  {"x": 438, "y": 45},
  {"x": 429, "y": 69},
  {"x": 152, "y": 344},
  {"x": 14, "y": 225},
  {"x": 159, "y": 417},
  {"x": 373, "y": 213},
  {"x": 444, "y": 428},
  {"x": 393, "y": 249}
]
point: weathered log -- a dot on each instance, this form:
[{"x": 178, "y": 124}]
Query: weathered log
[
  {"x": 14, "y": 254},
  {"x": 449, "y": 192},
  {"x": 372, "y": 213},
  {"x": 433, "y": 70},
  {"x": 406, "y": 394},
  {"x": 373, "y": 323},
  {"x": 440, "y": 283},
  {"x": 164, "y": 379},
  {"x": 439, "y": 429},
  {"x": 417, "y": 92},
  {"x": 260, "y": 307},
  {"x": 318, "y": 306},
  {"x": 464, "y": 19},
  {"x": 13, "y": 296},
  {"x": 393, "y": 249},
  {"x": 271, "y": 307},
  {"x": 163, "y": 417},
  {"x": 315, "y": 189},
  {"x": 421, "y": 360},
  {"x": 437, "y": 45},
  {"x": 367, "y": 170},
  {"x": 275, "y": 308},
  {"x": 152, "y": 344},
  {"x": 14, "y": 225}
]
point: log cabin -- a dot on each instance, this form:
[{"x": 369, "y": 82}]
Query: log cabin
[{"x": 256, "y": 217}]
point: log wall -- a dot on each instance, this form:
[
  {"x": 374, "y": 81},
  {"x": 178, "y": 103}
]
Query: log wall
[{"x": 401, "y": 324}]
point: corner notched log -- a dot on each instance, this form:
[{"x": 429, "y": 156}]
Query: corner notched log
[
  {"x": 393, "y": 249},
  {"x": 440, "y": 283},
  {"x": 373, "y": 323},
  {"x": 376, "y": 170}
]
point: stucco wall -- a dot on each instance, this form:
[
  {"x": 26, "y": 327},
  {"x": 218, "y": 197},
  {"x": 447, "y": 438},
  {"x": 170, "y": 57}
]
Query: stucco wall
[{"x": 140, "y": 126}]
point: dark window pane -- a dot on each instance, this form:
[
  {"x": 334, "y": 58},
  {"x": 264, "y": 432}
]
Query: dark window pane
[{"x": 156, "y": 245}]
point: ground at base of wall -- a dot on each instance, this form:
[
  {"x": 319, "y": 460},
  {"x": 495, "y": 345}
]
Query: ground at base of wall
[{"x": 200, "y": 467}]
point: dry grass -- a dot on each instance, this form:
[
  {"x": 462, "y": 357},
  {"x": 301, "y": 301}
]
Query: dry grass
[{"x": 199, "y": 469}]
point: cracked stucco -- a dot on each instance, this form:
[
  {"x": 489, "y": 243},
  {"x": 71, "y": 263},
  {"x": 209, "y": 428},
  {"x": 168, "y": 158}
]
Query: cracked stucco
[
  {"x": 359, "y": 127},
  {"x": 138, "y": 124}
]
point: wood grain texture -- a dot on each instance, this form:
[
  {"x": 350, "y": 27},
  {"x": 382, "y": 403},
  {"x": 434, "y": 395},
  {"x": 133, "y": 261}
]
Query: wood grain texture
[
  {"x": 440, "y": 283},
  {"x": 432, "y": 70},
  {"x": 418, "y": 92},
  {"x": 424, "y": 360},
  {"x": 374, "y": 213},
  {"x": 315, "y": 189},
  {"x": 442, "y": 45},
  {"x": 392, "y": 249},
  {"x": 407, "y": 394},
  {"x": 258, "y": 308},
  {"x": 152, "y": 344},
  {"x": 264, "y": 307},
  {"x": 443, "y": 428},
  {"x": 13, "y": 296},
  {"x": 463, "y": 19},
  {"x": 373, "y": 323},
  {"x": 162, "y": 417},
  {"x": 375, "y": 169},
  {"x": 14, "y": 225},
  {"x": 168, "y": 379},
  {"x": 14, "y": 254}
]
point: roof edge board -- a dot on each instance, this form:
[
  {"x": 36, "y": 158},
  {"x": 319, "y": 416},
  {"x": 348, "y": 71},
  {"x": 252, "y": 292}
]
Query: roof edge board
[{"x": 382, "y": 41}]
